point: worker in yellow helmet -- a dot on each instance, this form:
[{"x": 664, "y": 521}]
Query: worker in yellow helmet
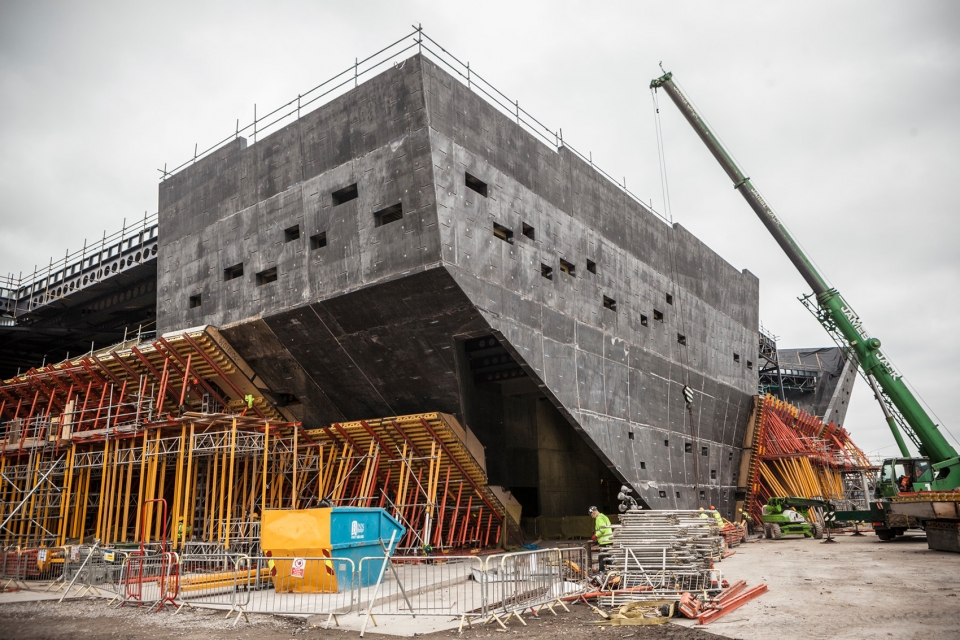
[
  {"x": 603, "y": 533},
  {"x": 717, "y": 516}
]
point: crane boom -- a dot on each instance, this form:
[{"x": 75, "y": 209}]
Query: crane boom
[{"x": 835, "y": 314}]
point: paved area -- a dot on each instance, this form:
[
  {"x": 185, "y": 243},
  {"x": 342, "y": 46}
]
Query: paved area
[{"x": 856, "y": 588}]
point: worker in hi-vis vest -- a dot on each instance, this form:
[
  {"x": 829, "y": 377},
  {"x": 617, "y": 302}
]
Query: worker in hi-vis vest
[{"x": 603, "y": 533}]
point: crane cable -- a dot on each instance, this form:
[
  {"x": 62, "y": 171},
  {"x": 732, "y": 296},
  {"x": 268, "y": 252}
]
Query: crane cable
[{"x": 678, "y": 298}]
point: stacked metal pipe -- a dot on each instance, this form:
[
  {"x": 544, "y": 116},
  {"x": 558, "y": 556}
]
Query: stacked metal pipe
[{"x": 663, "y": 552}]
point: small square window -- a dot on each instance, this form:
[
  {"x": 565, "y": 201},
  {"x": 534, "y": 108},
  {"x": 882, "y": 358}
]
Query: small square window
[
  {"x": 528, "y": 231},
  {"x": 630, "y": 435},
  {"x": 736, "y": 357},
  {"x": 609, "y": 303},
  {"x": 345, "y": 195},
  {"x": 658, "y": 315},
  {"x": 663, "y": 494},
  {"x": 703, "y": 495},
  {"x": 266, "y": 277},
  {"x": 546, "y": 271},
  {"x": 195, "y": 301},
  {"x": 749, "y": 364},
  {"x": 682, "y": 339},
  {"x": 643, "y": 320},
  {"x": 643, "y": 465},
  {"x": 591, "y": 266},
  {"x": 687, "y": 447},
  {"x": 318, "y": 241},
  {"x": 568, "y": 267},
  {"x": 388, "y": 215},
  {"x": 231, "y": 273},
  {"x": 291, "y": 234},
  {"x": 704, "y": 451},
  {"x": 503, "y": 233},
  {"x": 476, "y": 184},
  {"x": 713, "y": 474},
  {"x": 666, "y": 443},
  {"x": 669, "y": 298}
]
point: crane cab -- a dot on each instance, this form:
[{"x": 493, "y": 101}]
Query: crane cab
[{"x": 898, "y": 475}]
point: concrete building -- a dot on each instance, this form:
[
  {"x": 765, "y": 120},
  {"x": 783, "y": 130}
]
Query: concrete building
[{"x": 407, "y": 247}]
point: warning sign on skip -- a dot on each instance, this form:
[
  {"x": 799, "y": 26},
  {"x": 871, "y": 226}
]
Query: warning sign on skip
[{"x": 297, "y": 568}]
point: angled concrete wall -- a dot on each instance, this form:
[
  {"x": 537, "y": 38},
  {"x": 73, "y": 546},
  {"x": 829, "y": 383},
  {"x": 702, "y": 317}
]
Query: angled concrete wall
[{"x": 373, "y": 323}]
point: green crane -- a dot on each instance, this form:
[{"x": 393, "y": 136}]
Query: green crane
[{"x": 900, "y": 407}]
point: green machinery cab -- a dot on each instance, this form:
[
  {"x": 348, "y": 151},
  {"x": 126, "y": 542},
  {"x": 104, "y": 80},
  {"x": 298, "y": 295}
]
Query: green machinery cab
[{"x": 790, "y": 516}]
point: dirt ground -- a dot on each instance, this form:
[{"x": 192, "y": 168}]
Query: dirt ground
[{"x": 94, "y": 620}]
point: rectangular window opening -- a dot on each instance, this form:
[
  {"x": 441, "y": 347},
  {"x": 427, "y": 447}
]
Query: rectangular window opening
[
  {"x": 730, "y": 455},
  {"x": 643, "y": 321},
  {"x": 476, "y": 184},
  {"x": 682, "y": 339},
  {"x": 291, "y": 234},
  {"x": 546, "y": 271},
  {"x": 713, "y": 474},
  {"x": 318, "y": 241},
  {"x": 230, "y": 273},
  {"x": 591, "y": 266},
  {"x": 749, "y": 364},
  {"x": 736, "y": 357},
  {"x": 609, "y": 303},
  {"x": 687, "y": 447},
  {"x": 266, "y": 277},
  {"x": 663, "y": 494},
  {"x": 630, "y": 435},
  {"x": 390, "y": 214},
  {"x": 643, "y": 465},
  {"x": 528, "y": 231},
  {"x": 345, "y": 195},
  {"x": 658, "y": 315},
  {"x": 503, "y": 233},
  {"x": 568, "y": 268},
  {"x": 195, "y": 301},
  {"x": 669, "y": 298},
  {"x": 678, "y": 494},
  {"x": 704, "y": 451},
  {"x": 666, "y": 443},
  {"x": 703, "y": 495}
]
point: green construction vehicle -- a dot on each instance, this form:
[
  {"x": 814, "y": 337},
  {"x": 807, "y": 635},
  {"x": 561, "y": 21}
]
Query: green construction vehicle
[
  {"x": 928, "y": 496},
  {"x": 789, "y": 516}
]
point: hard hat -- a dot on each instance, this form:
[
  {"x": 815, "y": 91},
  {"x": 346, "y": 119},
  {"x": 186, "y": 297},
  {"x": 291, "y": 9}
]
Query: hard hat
[
  {"x": 712, "y": 508},
  {"x": 701, "y": 508},
  {"x": 591, "y": 510}
]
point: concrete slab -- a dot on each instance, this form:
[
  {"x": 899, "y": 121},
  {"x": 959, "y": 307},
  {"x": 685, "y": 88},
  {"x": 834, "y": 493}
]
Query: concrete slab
[{"x": 856, "y": 588}]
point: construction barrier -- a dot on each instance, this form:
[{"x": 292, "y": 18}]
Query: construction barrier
[
  {"x": 514, "y": 582},
  {"x": 429, "y": 586},
  {"x": 298, "y": 586},
  {"x": 150, "y": 579},
  {"x": 217, "y": 580}
]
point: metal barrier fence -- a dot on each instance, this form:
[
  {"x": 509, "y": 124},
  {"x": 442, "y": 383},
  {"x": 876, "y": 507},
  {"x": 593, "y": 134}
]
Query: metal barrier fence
[
  {"x": 298, "y": 586},
  {"x": 429, "y": 586},
  {"x": 496, "y": 587},
  {"x": 514, "y": 582}
]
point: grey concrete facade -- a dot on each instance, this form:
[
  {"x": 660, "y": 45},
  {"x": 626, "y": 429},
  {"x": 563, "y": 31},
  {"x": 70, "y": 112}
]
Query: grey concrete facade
[{"x": 381, "y": 314}]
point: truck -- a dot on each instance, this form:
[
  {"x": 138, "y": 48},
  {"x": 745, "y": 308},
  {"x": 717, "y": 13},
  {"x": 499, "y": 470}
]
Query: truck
[{"x": 928, "y": 497}]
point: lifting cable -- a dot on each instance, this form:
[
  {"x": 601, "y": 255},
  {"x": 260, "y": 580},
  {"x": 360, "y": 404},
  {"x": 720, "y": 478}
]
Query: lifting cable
[{"x": 677, "y": 297}]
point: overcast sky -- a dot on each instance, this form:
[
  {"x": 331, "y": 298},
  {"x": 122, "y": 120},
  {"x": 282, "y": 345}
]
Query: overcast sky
[{"x": 846, "y": 116}]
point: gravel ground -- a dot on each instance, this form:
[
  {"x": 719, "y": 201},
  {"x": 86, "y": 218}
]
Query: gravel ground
[{"x": 95, "y": 620}]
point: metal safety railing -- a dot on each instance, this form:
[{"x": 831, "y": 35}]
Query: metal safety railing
[
  {"x": 419, "y": 42},
  {"x": 97, "y": 261}
]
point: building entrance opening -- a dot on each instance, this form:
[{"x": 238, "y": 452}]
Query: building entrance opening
[{"x": 531, "y": 449}]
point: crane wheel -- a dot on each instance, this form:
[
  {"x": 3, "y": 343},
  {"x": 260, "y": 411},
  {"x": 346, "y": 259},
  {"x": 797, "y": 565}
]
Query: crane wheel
[
  {"x": 776, "y": 531},
  {"x": 817, "y": 531},
  {"x": 766, "y": 531}
]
